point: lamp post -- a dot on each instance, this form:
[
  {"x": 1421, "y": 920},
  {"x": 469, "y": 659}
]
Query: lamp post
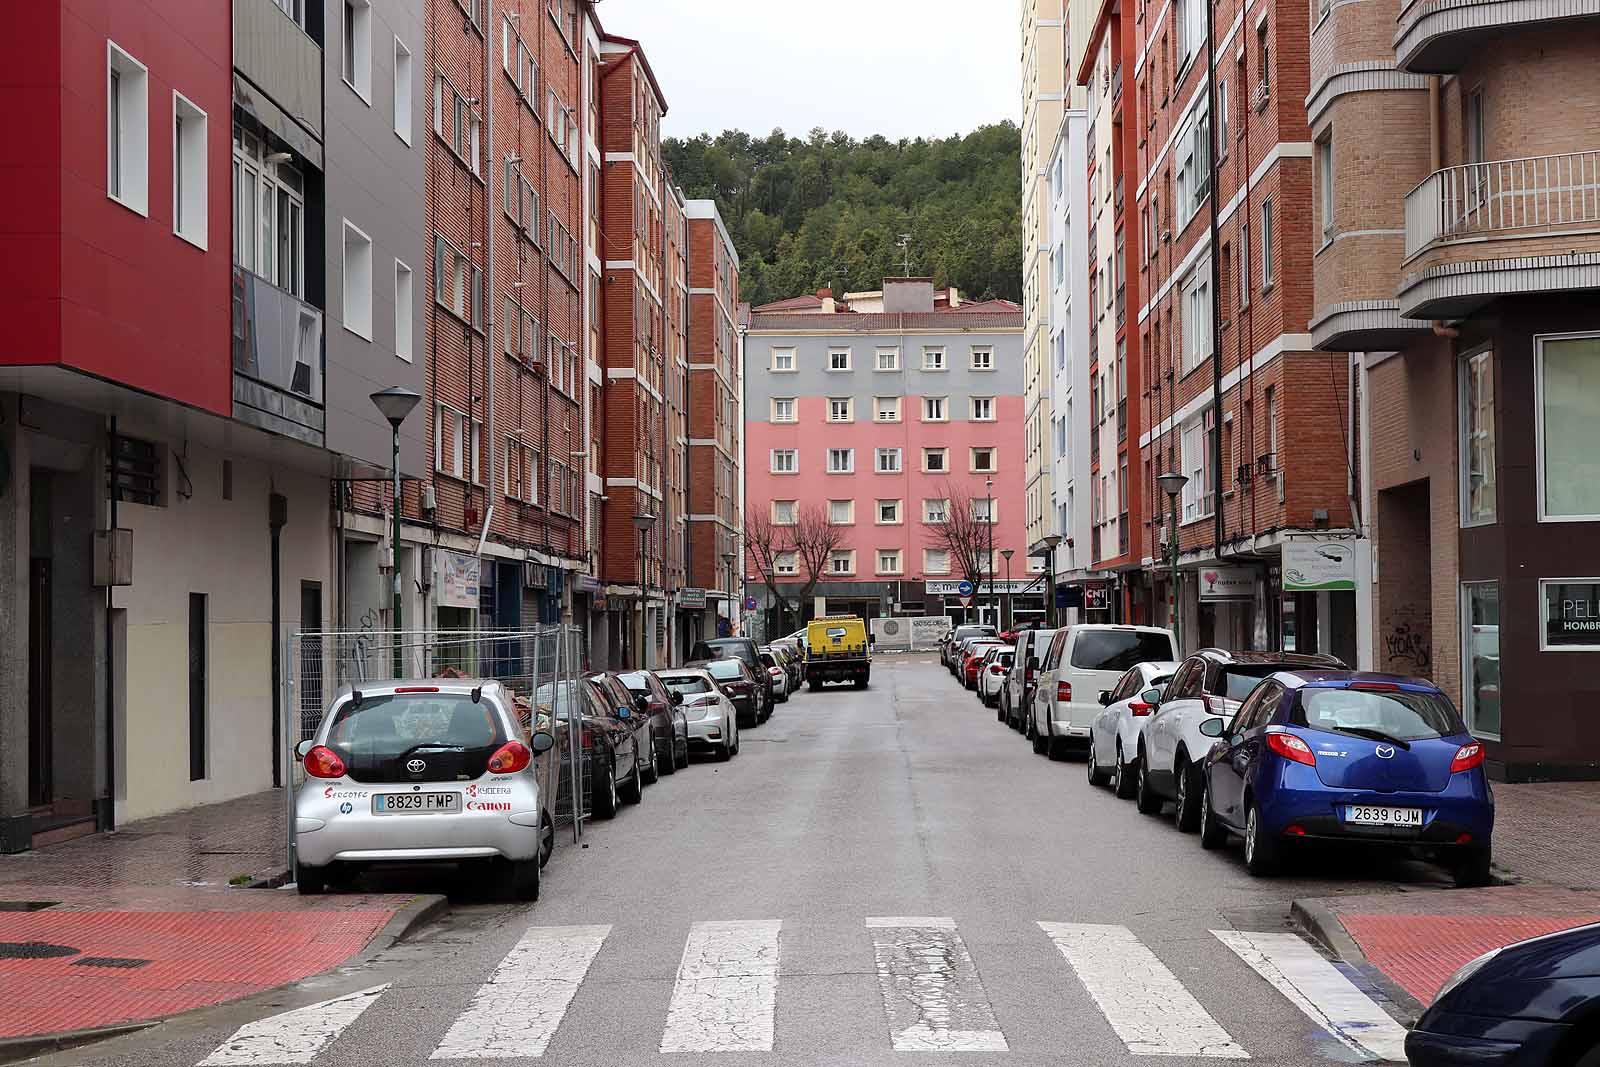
[
  {"x": 1172, "y": 484},
  {"x": 643, "y": 522},
  {"x": 727, "y": 562},
  {"x": 988, "y": 560},
  {"x": 395, "y": 403},
  {"x": 1008, "y": 618},
  {"x": 1050, "y": 543}
]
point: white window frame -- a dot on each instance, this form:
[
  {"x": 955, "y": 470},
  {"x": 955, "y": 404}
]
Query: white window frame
[
  {"x": 793, "y": 359},
  {"x": 933, "y": 358},
  {"x": 897, "y": 562},
  {"x": 894, "y": 458},
  {"x": 981, "y": 358},
  {"x": 989, "y": 512},
  {"x": 792, "y": 509},
  {"x": 847, "y": 556},
  {"x": 1464, "y": 366},
  {"x": 1268, "y": 267},
  {"x": 886, "y": 409},
  {"x": 839, "y": 351},
  {"x": 355, "y": 315},
  {"x": 849, "y": 457},
  {"x": 1469, "y": 709},
  {"x": 899, "y": 513},
  {"x": 404, "y": 88},
  {"x": 404, "y": 310},
  {"x": 1196, "y": 312},
  {"x": 972, "y": 459},
  {"x": 929, "y": 555},
  {"x": 943, "y": 403},
  {"x": 1544, "y": 628},
  {"x": 974, "y": 403},
  {"x": 786, "y": 562},
  {"x": 127, "y": 130},
  {"x": 355, "y": 30},
  {"x": 191, "y": 169},
  {"x": 894, "y": 360},
  {"x": 793, "y": 455},
  {"x": 841, "y": 409},
  {"x": 943, "y": 452},
  {"x": 1540, "y": 477},
  {"x": 1324, "y": 152},
  {"x": 793, "y": 405},
  {"x": 931, "y": 517},
  {"x": 849, "y": 513},
  {"x": 1194, "y": 457}
]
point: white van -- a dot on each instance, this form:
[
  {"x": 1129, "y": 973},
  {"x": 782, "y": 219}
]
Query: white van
[{"x": 1083, "y": 661}]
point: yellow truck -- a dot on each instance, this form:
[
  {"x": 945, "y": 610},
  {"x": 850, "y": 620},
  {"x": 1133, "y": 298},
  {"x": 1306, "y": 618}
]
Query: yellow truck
[{"x": 838, "y": 649}]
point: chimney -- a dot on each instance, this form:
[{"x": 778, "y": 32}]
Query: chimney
[
  {"x": 824, "y": 294},
  {"x": 906, "y": 295}
]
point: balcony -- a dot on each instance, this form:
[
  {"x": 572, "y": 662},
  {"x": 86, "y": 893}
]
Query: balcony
[
  {"x": 282, "y": 61},
  {"x": 1122, "y": 534},
  {"x": 1483, "y": 230},
  {"x": 277, "y": 359},
  {"x": 1439, "y": 36}
]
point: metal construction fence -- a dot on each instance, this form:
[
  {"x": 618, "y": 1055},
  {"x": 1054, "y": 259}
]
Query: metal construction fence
[
  {"x": 534, "y": 665},
  {"x": 909, "y": 634}
]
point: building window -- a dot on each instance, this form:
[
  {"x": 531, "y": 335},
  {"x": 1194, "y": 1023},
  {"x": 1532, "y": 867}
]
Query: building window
[
  {"x": 985, "y": 509},
  {"x": 936, "y": 560},
  {"x": 1480, "y": 654},
  {"x": 456, "y": 121},
  {"x": 189, "y": 171},
  {"x": 934, "y": 409},
  {"x": 935, "y": 511},
  {"x": 269, "y": 215},
  {"x": 886, "y": 409},
  {"x": 840, "y": 409},
  {"x": 783, "y": 512},
  {"x": 888, "y": 513},
  {"x": 1197, "y": 317},
  {"x": 783, "y": 409},
  {"x": 786, "y": 563},
  {"x": 841, "y": 460},
  {"x": 983, "y": 461},
  {"x": 1244, "y": 264},
  {"x": 785, "y": 461},
  {"x": 1473, "y": 126},
  {"x": 1193, "y": 148},
  {"x": 1477, "y": 438},
  {"x": 404, "y": 310},
  {"x": 983, "y": 358},
  {"x": 841, "y": 512},
  {"x": 842, "y": 561},
  {"x": 1222, "y": 120},
  {"x": 1325, "y": 181},
  {"x": 402, "y": 91},
  {"x": 933, "y": 359},
  {"x": 357, "y": 270},
  {"x": 1198, "y": 465},
  {"x": 982, "y": 408},
  {"x": 1266, "y": 246},
  {"x": 888, "y": 461},
  {"x": 1568, "y": 388},
  {"x": 888, "y": 359},
  {"x": 783, "y": 360},
  {"x": 127, "y": 130},
  {"x": 936, "y": 460},
  {"x": 889, "y": 561},
  {"x": 357, "y": 42},
  {"x": 457, "y": 281},
  {"x": 838, "y": 359}
]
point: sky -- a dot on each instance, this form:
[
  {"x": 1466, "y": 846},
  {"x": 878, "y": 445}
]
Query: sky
[{"x": 900, "y": 68}]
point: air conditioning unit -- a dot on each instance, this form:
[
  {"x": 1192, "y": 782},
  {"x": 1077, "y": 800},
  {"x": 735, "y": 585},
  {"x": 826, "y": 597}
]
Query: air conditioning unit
[
  {"x": 430, "y": 499},
  {"x": 1243, "y": 474},
  {"x": 1267, "y": 465}
]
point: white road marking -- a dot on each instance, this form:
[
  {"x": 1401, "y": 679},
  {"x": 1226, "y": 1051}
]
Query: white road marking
[
  {"x": 516, "y": 1012},
  {"x": 1320, "y": 990},
  {"x": 727, "y": 989},
  {"x": 1144, "y": 1002},
  {"x": 294, "y": 1036},
  {"x": 932, "y": 995}
]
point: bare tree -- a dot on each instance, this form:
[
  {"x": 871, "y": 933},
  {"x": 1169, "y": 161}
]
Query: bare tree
[
  {"x": 965, "y": 534},
  {"x": 766, "y": 540},
  {"x": 814, "y": 540}
]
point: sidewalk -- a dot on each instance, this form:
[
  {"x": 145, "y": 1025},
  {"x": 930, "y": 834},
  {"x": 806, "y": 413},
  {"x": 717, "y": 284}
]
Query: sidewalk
[
  {"x": 143, "y": 924},
  {"x": 1546, "y": 844}
]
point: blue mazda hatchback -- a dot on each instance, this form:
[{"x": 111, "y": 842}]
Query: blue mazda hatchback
[{"x": 1349, "y": 756}]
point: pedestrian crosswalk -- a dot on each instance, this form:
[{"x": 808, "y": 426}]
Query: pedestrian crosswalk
[{"x": 730, "y": 980}]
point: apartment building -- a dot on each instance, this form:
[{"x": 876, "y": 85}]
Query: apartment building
[
  {"x": 1068, "y": 440},
  {"x": 1452, "y": 220},
  {"x": 885, "y": 420},
  {"x": 229, "y": 213}
]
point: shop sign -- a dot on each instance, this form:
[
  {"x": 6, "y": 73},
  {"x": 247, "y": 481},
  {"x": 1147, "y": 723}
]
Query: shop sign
[
  {"x": 1227, "y": 583},
  {"x": 1571, "y": 613},
  {"x": 588, "y": 583},
  {"x": 1097, "y": 598},
  {"x": 1318, "y": 566},
  {"x": 459, "y": 577},
  {"x": 981, "y": 587},
  {"x": 533, "y": 575},
  {"x": 692, "y": 598}
]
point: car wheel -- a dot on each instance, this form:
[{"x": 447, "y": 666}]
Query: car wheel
[
  {"x": 547, "y": 837},
  {"x": 633, "y": 792},
  {"x": 310, "y": 881},
  {"x": 606, "y": 800},
  {"x": 681, "y": 759},
  {"x": 1027, "y": 727},
  {"x": 1054, "y": 749},
  {"x": 1260, "y": 850},
  {"x": 1590, "y": 1058},
  {"x": 1187, "y": 814},
  {"x": 1212, "y": 833},
  {"x": 1145, "y": 797},
  {"x": 1040, "y": 742},
  {"x": 522, "y": 879},
  {"x": 734, "y": 751},
  {"x": 1472, "y": 869},
  {"x": 814, "y": 685},
  {"x": 1097, "y": 777},
  {"x": 1124, "y": 777},
  {"x": 650, "y": 773},
  {"x": 1000, "y": 713},
  {"x": 667, "y": 762}
]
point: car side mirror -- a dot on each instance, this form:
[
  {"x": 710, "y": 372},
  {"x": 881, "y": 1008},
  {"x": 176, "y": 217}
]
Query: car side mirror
[
  {"x": 642, "y": 703},
  {"x": 1151, "y": 697},
  {"x": 677, "y": 698},
  {"x": 1212, "y": 727},
  {"x": 542, "y": 741},
  {"x": 301, "y": 749},
  {"x": 623, "y": 712},
  {"x": 1105, "y": 697}
]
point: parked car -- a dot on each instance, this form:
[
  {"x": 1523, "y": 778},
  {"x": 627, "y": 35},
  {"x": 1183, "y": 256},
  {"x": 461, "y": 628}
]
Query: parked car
[
  {"x": 972, "y": 655},
  {"x": 398, "y": 771},
  {"x": 1016, "y": 695},
  {"x": 947, "y": 648},
  {"x": 1528, "y": 1004},
  {"x": 1114, "y": 735},
  {"x": 669, "y": 727},
  {"x": 713, "y": 722},
  {"x": 613, "y": 726},
  {"x": 1082, "y": 662},
  {"x": 788, "y": 656},
  {"x": 745, "y": 649},
  {"x": 992, "y": 673},
  {"x": 739, "y": 683},
  {"x": 1349, "y": 756},
  {"x": 779, "y": 676},
  {"x": 1210, "y": 684}
]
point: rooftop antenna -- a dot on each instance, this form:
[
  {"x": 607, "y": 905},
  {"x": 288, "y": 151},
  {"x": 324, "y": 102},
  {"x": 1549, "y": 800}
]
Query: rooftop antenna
[{"x": 905, "y": 251}]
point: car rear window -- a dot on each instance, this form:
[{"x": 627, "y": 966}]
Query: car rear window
[
  {"x": 835, "y": 631},
  {"x": 458, "y": 733},
  {"x": 963, "y": 632},
  {"x": 687, "y": 684},
  {"x": 725, "y": 670},
  {"x": 635, "y": 682},
  {"x": 1402, "y": 715},
  {"x": 1237, "y": 682},
  {"x": 1117, "y": 650}
]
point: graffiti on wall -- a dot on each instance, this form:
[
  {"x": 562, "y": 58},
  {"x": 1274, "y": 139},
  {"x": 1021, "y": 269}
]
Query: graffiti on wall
[{"x": 1408, "y": 642}]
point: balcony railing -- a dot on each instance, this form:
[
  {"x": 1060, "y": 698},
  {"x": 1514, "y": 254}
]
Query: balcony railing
[
  {"x": 1122, "y": 534},
  {"x": 1122, "y": 419},
  {"x": 1508, "y": 197},
  {"x": 1116, "y": 83},
  {"x": 277, "y": 338}
]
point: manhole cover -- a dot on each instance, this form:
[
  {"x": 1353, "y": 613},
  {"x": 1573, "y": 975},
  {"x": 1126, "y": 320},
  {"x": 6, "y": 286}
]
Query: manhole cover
[
  {"x": 33, "y": 950},
  {"x": 27, "y": 905},
  {"x": 109, "y": 961}
]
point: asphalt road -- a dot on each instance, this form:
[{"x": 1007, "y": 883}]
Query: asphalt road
[{"x": 879, "y": 877}]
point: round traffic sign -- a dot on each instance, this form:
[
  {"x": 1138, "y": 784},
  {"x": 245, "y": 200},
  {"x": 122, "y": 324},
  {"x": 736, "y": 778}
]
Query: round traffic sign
[
  {"x": 749, "y": 603},
  {"x": 965, "y": 588}
]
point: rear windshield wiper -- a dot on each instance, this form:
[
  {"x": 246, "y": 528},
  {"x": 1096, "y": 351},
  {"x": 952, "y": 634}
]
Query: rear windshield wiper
[{"x": 1375, "y": 735}]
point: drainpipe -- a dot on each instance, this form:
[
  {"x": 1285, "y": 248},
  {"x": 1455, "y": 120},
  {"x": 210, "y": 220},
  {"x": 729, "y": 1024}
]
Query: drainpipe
[
  {"x": 1219, "y": 520},
  {"x": 108, "y": 817},
  {"x": 489, "y": 298}
]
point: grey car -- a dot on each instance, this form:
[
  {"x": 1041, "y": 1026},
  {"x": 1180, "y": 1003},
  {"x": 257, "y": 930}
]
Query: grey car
[
  {"x": 713, "y": 722},
  {"x": 420, "y": 771}
]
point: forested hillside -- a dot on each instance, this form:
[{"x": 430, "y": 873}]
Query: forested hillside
[{"x": 830, "y": 210}]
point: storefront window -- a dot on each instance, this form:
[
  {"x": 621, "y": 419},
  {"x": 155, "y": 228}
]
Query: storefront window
[
  {"x": 1480, "y": 638},
  {"x": 1477, "y": 438},
  {"x": 1569, "y": 427}
]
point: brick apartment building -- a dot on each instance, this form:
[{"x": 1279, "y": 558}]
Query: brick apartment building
[{"x": 1453, "y": 224}]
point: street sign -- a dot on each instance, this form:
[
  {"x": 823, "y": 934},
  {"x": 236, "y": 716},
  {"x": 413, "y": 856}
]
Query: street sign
[
  {"x": 966, "y": 601},
  {"x": 964, "y": 589},
  {"x": 749, "y": 603}
]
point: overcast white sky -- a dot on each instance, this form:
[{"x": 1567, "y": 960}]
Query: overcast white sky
[{"x": 902, "y": 68}]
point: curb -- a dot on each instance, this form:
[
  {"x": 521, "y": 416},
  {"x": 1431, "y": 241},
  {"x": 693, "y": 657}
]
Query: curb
[
  {"x": 1320, "y": 922},
  {"x": 13, "y": 1049},
  {"x": 418, "y": 912}
]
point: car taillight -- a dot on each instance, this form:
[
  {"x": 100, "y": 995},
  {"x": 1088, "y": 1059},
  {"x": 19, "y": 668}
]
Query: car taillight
[
  {"x": 1140, "y": 708},
  {"x": 1027, "y": 676},
  {"x": 995, "y": 668},
  {"x": 1064, "y": 691},
  {"x": 324, "y": 762},
  {"x": 1292, "y": 748},
  {"x": 511, "y": 757},
  {"x": 1467, "y": 757},
  {"x": 588, "y": 739}
]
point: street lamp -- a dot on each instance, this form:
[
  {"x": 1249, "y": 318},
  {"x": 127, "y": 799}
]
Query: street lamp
[
  {"x": 1172, "y": 484},
  {"x": 1050, "y": 543},
  {"x": 395, "y": 403},
  {"x": 988, "y": 560},
  {"x": 643, "y": 522},
  {"x": 1010, "y": 622},
  {"x": 727, "y": 562}
]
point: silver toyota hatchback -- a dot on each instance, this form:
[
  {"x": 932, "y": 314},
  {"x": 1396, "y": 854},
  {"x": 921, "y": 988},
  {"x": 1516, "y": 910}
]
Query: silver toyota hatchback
[{"x": 417, "y": 772}]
